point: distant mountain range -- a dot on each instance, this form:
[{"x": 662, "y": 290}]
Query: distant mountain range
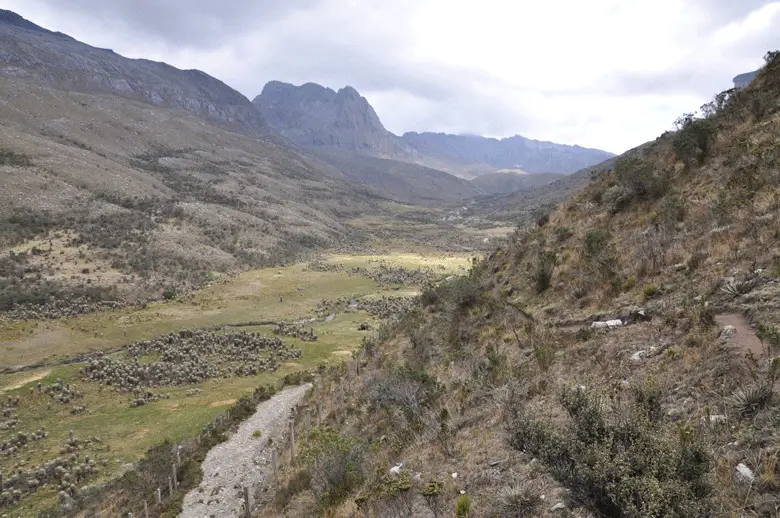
[{"x": 315, "y": 116}]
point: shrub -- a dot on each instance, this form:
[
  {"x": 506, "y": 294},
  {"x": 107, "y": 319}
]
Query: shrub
[
  {"x": 649, "y": 291},
  {"x": 630, "y": 283},
  {"x": 520, "y": 500},
  {"x": 545, "y": 264},
  {"x": 341, "y": 466},
  {"x": 747, "y": 401},
  {"x": 618, "y": 461},
  {"x": 13, "y": 158},
  {"x": 562, "y": 234},
  {"x": 693, "y": 141},
  {"x": 595, "y": 242},
  {"x": 463, "y": 506},
  {"x": 617, "y": 198}
]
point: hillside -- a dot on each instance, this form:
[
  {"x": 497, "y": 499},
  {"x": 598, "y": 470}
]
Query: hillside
[
  {"x": 532, "y": 156},
  {"x": 620, "y": 360},
  {"x": 36, "y": 55},
  {"x": 508, "y": 181}
]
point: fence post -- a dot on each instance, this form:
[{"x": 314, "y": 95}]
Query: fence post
[
  {"x": 170, "y": 486},
  {"x": 308, "y": 426},
  {"x": 274, "y": 464},
  {"x": 159, "y": 496},
  {"x": 292, "y": 441},
  {"x": 248, "y": 510},
  {"x": 146, "y": 509},
  {"x": 175, "y": 478},
  {"x": 178, "y": 454}
]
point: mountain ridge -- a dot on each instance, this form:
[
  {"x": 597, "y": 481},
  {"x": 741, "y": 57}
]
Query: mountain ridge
[
  {"x": 35, "y": 54},
  {"x": 318, "y": 116}
]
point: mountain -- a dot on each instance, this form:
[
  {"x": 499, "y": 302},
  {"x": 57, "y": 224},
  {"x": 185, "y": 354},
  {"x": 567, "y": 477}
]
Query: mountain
[
  {"x": 507, "y": 181},
  {"x": 742, "y": 80},
  {"x": 36, "y": 55},
  {"x": 314, "y": 116},
  {"x": 532, "y": 156},
  {"x": 620, "y": 360}
]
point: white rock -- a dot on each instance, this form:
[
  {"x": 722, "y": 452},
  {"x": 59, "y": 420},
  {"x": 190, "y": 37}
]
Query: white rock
[
  {"x": 727, "y": 332},
  {"x": 598, "y": 325},
  {"x": 715, "y": 419},
  {"x": 454, "y": 476},
  {"x": 614, "y": 323},
  {"x": 638, "y": 356},
  {"x": 558, "y": 507},
  {"x": 744, "y": 474},
  {"x": 395, "y": 470}
]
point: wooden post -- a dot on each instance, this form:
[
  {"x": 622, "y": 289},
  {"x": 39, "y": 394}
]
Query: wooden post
[
  {"x": 274, "y": 464},
  {"x": 292, "y": 441},
  {"x": 308, "y": 426},
  {"x": 1, "y": 481},
  {"x": 72, "y": 438},
  {"x": 159, "y": 496},
  {"x": 178, "y": 455},
  {"x": 247, "y": 509},
  {"x": 170, "y": 486},
  {"x": 175, "y": 478},
  {"x": 146, "y": 509}
]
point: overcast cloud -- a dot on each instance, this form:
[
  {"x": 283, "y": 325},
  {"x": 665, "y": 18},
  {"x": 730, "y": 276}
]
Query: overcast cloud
[{"x": 609, "y": 74}]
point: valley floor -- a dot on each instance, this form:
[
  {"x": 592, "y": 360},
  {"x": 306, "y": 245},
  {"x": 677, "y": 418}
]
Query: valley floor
[{"x": 42, "y": 361}]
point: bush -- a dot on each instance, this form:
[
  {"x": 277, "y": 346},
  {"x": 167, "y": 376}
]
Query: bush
[
  {"x": 14, "y": 159},
  {"x": 562, "y": 234},
  {"x": 545, "y": 264},
  {"x": 693, "y": 141},
  {"x": 341, "y": 466},
  {"x": 463, "y": 506},
  {"x": 617, "y": 198},
  {"x": 622, "y": 461},
  {"x": 520, "y": 500},
  {"x": 649, "y": 291},
  {"x": 595, "y": 243}
]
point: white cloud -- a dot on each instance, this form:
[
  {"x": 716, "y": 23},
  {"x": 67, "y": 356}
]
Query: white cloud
[{"x": 604, "y": 73}]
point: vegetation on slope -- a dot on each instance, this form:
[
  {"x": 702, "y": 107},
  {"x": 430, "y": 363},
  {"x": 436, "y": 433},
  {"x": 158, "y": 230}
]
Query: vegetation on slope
[{"x": 496, "y": 397}]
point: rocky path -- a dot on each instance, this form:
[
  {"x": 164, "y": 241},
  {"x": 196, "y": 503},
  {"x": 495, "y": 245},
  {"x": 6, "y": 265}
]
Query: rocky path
[{"x": 244, "y": 460}]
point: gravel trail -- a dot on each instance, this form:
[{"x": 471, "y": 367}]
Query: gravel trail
[{"x": 242, "y": 460}]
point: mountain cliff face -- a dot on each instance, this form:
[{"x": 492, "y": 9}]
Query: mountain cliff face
[
  {"x": 312, "y": 115},
  {"x": 31, "y": 53},
  {"x": 532, "y": 156},
  {"x": 742, "y": 80}
]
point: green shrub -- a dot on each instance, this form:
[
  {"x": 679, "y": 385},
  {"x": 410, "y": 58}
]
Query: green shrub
[
  {"x": 649, "y": 291},
  {"x": 630, "y": 283},
  {"x": 340, "y": 467},
  {"x": 562, "y": 234},
  {"x": 693, "y": 141},
  {"x": 617, "y": 198},
  {"x": 14, "y": 159},
  {"x": 595, "y": 243},
  {"x": 463, "y": 506},
  {"x": 543, "y": 271},
  {"x": 622, "y": 461}
]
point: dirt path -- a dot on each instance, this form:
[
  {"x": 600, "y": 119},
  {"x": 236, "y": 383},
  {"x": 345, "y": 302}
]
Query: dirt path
[
  {"x": 745, "y": 338},
  {"x": 24, "y": 381},
  {"x": 243, "y": 460}
]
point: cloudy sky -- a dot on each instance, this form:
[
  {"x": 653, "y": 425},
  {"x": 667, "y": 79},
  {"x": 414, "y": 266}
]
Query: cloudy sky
[{"x": 609, "y": 74}]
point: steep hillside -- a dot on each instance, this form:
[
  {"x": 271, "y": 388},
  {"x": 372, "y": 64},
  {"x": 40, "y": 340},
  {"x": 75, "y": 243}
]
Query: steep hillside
[
  {"x": 504, "y": 182},
  {"x": 143, "y": 198},
  {"x": 31, "y": 53},
  {"x": 620, "y": 360},
  {"x": 516, "y": 152}
]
